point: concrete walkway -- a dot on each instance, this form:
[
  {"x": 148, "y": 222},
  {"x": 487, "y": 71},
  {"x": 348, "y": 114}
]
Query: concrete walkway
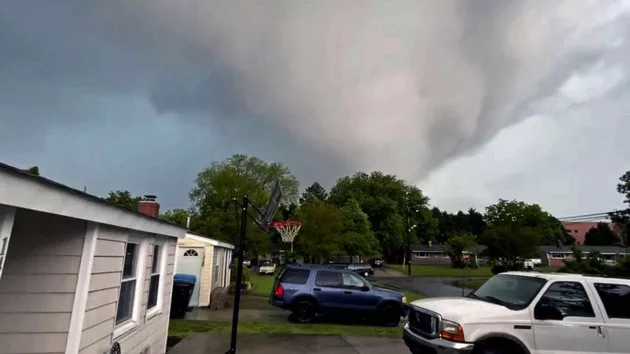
[{"x": 219, "y": 343}]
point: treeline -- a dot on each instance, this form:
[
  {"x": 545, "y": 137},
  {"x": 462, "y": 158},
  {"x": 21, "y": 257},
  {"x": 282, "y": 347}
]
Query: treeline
[{"x": 366, "y": 214}]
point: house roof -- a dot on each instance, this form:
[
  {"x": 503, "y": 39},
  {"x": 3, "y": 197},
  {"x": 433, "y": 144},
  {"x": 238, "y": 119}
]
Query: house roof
[
  {"x": 21, "y": 189},
  {"x": 567, "y": 249},
  {"x": 208, "y": 240},
  {"x": 438, "y": 248}
]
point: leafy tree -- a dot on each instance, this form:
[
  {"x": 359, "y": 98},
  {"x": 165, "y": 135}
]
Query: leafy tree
[
  {"x": 176, "y": 216},
  {"x": 322, "y": 227},
  {"x": 358, "y": 238},
  {"x": 124, "y": 199},
  {"x": 456, "y": 246},
  {"x": 506, "y": 244},
  {"x": 391, "y": 205},
  {"x": 34, "y": 170},
  {"x": 316, "y": 190},
  {"x": 522, "y": 215},
  {"x": 218, "y": 185},
  {"x": 622, "y": 217},
  {"x": 601, "y": 235},
  {"x": 471, "y": 222}
]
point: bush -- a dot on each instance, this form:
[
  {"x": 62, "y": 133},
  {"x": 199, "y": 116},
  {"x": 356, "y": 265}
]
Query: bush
[
  {"x": 499, "y": 268},
  {"x": 234, "y": 270}
]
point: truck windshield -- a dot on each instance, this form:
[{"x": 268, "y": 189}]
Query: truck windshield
[{"x": 515, "y": 292}]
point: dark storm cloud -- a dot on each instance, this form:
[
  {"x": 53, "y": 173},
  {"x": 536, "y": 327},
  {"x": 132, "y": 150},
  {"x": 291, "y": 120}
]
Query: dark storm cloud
[{"x": 328, "y": 87}]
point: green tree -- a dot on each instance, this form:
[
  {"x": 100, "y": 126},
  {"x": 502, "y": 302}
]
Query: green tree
[
  {"x": 601, "y": 235},
  {"x": 218, "y": 185},
  {"x": 124, "y": 199},
  {"x": 358, "y": 238},
  {"x": 456, "y": 245},
  {"x": 507, "y": 244},
  {"x": 516, "y": 214},
  {"x": 391, "y": 205},
  {"x": 316, "y": 190},
  {"x": 34, "y": 170},
  {"x": 321, "y": 233},
  {"x": 177, "y": 216},
  {"x": 622, "y": 217}
]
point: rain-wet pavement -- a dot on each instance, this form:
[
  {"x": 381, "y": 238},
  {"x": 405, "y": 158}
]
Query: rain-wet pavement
[
  {"x": 288, "y": 344},
  {"x": 426, "y": 286}
]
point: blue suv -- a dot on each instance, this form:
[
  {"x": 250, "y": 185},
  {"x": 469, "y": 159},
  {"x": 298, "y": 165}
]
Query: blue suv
[{"x": 308, "y": 291}]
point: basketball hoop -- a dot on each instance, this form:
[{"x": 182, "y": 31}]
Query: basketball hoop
[{"x": 288, "y": 230}]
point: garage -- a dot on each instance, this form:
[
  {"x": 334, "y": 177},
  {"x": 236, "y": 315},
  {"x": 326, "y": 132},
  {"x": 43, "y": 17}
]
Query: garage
[{"x": 208, "y": 260}]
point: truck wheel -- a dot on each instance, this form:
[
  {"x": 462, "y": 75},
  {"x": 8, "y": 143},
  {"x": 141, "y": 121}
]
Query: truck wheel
[
  {"x": 389, "y": 315},
  {"x": 304, "y": 311}
]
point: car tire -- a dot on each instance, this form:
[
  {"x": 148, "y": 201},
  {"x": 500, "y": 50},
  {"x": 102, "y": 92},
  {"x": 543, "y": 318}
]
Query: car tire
[
  {"x": 389, "y": 315},
  {"x": 304, "y": 311}
]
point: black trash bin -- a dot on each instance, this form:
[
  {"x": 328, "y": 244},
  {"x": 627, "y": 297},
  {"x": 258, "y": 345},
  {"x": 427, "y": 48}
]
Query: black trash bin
[{"x": 183, "y": 286}]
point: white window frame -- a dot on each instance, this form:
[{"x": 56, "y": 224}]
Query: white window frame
[
  {"x": 132, "y": 323},
  {"x": 159, "y": 307},
  {"x": 420, "y": 255}
]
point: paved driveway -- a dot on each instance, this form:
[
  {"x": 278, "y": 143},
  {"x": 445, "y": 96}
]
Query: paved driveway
[{"x": 203, "y": 343}]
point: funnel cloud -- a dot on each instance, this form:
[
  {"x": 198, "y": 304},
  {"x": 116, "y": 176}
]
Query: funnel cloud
[{"x": 328, "y": 87}]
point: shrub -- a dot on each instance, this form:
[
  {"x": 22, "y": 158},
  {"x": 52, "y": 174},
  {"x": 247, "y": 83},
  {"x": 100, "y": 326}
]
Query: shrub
[
  {"x": 499, "y": 268},
  {"x": 234, "y": 270}
]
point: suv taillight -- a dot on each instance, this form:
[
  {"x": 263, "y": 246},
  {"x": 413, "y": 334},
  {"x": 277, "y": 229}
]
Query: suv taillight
[{"x": 279, "y": 291}]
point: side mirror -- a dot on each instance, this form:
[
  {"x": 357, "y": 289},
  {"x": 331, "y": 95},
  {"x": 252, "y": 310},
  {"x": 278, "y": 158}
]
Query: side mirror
[
  {"x": 365, "y": 288},
  {"x": 548, "y": 313}
]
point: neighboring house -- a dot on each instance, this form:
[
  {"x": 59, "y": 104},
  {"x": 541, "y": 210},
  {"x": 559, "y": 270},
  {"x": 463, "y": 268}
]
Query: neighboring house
[
  {"x": 209, "y": 260},
  {"x": 554, "y": 256},
  {"x": 578, "y": 229},
  {"x": 78, "y": 274},
  {"x": 430, "y": 254}
]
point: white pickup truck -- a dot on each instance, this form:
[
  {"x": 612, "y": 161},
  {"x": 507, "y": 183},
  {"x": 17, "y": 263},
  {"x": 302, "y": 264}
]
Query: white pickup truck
[{"x": 526, "y": 313}]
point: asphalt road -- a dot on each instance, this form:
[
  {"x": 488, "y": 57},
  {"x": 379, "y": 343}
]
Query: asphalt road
[{"x": 426, "y": 286}]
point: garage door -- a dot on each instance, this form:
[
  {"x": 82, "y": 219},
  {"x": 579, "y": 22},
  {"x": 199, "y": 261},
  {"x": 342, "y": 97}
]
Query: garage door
[{"x": 190, "y": 261}]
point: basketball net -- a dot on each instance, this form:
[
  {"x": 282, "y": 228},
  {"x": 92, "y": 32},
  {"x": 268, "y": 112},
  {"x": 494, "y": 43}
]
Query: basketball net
[{"x": 288, "y": 230}]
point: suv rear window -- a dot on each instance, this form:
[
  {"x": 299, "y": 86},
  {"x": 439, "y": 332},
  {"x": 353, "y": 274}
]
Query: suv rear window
[
  {"x": 295, "y": 276},
  {"x": 616, "y": 298}
]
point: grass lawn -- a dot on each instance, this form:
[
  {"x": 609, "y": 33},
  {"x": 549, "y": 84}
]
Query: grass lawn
[
  {"x": 262, "y": 284},
  {"x": 182, "y": 328},
  {"x": 449, "y": 272}
]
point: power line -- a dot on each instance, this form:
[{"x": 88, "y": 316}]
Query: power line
[{"x": 586, "y": 217}]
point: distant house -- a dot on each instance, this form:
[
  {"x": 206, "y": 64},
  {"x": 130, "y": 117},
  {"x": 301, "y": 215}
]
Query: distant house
[
  {"x": 578, "y": 229},
  {"x": 79, "y": 274},
  {"x": 430, "y": 254},
  {"x": 554, "y": 256}
]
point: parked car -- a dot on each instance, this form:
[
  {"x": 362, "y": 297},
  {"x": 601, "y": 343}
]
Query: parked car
[
  {"x": 267, "y": 267},
  {"x": 377, "y": 263},
  {"x": 247, "y": 263},
  {"x": 528, "y": 264},
  {"x": 361, "y": 268},
  {"x": 311, "y": 291},
  {"x": 526, "y": 312}
]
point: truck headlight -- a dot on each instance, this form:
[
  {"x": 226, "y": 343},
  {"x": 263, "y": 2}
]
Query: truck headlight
[{"x": 452, "y": 331}]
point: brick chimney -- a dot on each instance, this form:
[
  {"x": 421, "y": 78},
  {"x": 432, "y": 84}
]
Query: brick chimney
[{"x": 149, "y": 206}]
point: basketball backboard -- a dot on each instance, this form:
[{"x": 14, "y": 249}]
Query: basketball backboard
[{"x": 274, "y": 202}]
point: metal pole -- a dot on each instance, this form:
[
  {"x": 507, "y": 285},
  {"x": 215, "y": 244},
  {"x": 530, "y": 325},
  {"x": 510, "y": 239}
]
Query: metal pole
[
  {"x": 291, "y": 248},
  {"x": 239, "y": 277}
]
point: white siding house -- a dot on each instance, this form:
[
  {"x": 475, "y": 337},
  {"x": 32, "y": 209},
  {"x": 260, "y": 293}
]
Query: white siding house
[
  {"x": 207, "y": 259},
  {"x": 78, "y": 274}
]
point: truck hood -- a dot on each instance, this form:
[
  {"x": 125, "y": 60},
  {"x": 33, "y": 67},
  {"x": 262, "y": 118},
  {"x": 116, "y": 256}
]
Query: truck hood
[{"x": 466, "y": 310}]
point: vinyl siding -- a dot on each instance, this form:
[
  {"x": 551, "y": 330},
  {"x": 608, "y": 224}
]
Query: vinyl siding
[
  {"x": 39, "y": 281},
  {"x": 98, "y": 324}
]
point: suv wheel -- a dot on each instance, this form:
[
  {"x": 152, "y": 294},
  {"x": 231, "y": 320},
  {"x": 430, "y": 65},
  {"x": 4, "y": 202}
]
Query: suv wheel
[
  {"x": 304, "y": 311},
  {"x": 389, "y": 315}
]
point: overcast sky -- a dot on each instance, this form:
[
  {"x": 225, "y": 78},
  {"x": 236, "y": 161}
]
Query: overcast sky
[{"x": 471, "y": 100}]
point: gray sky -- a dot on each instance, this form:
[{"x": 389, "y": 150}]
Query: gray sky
[{"x": 472, "y": 100}]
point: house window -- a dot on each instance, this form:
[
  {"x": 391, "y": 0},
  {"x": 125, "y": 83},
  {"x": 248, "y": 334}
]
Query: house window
[
  {"x": 420, "y": 255},
  {"x": 560, "y": 255},
  {"x": 154, "y": 284},
  {"x": 128, "y": 284}
]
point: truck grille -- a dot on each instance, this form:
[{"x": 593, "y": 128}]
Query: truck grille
[{"x": 423, "y": 323}]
